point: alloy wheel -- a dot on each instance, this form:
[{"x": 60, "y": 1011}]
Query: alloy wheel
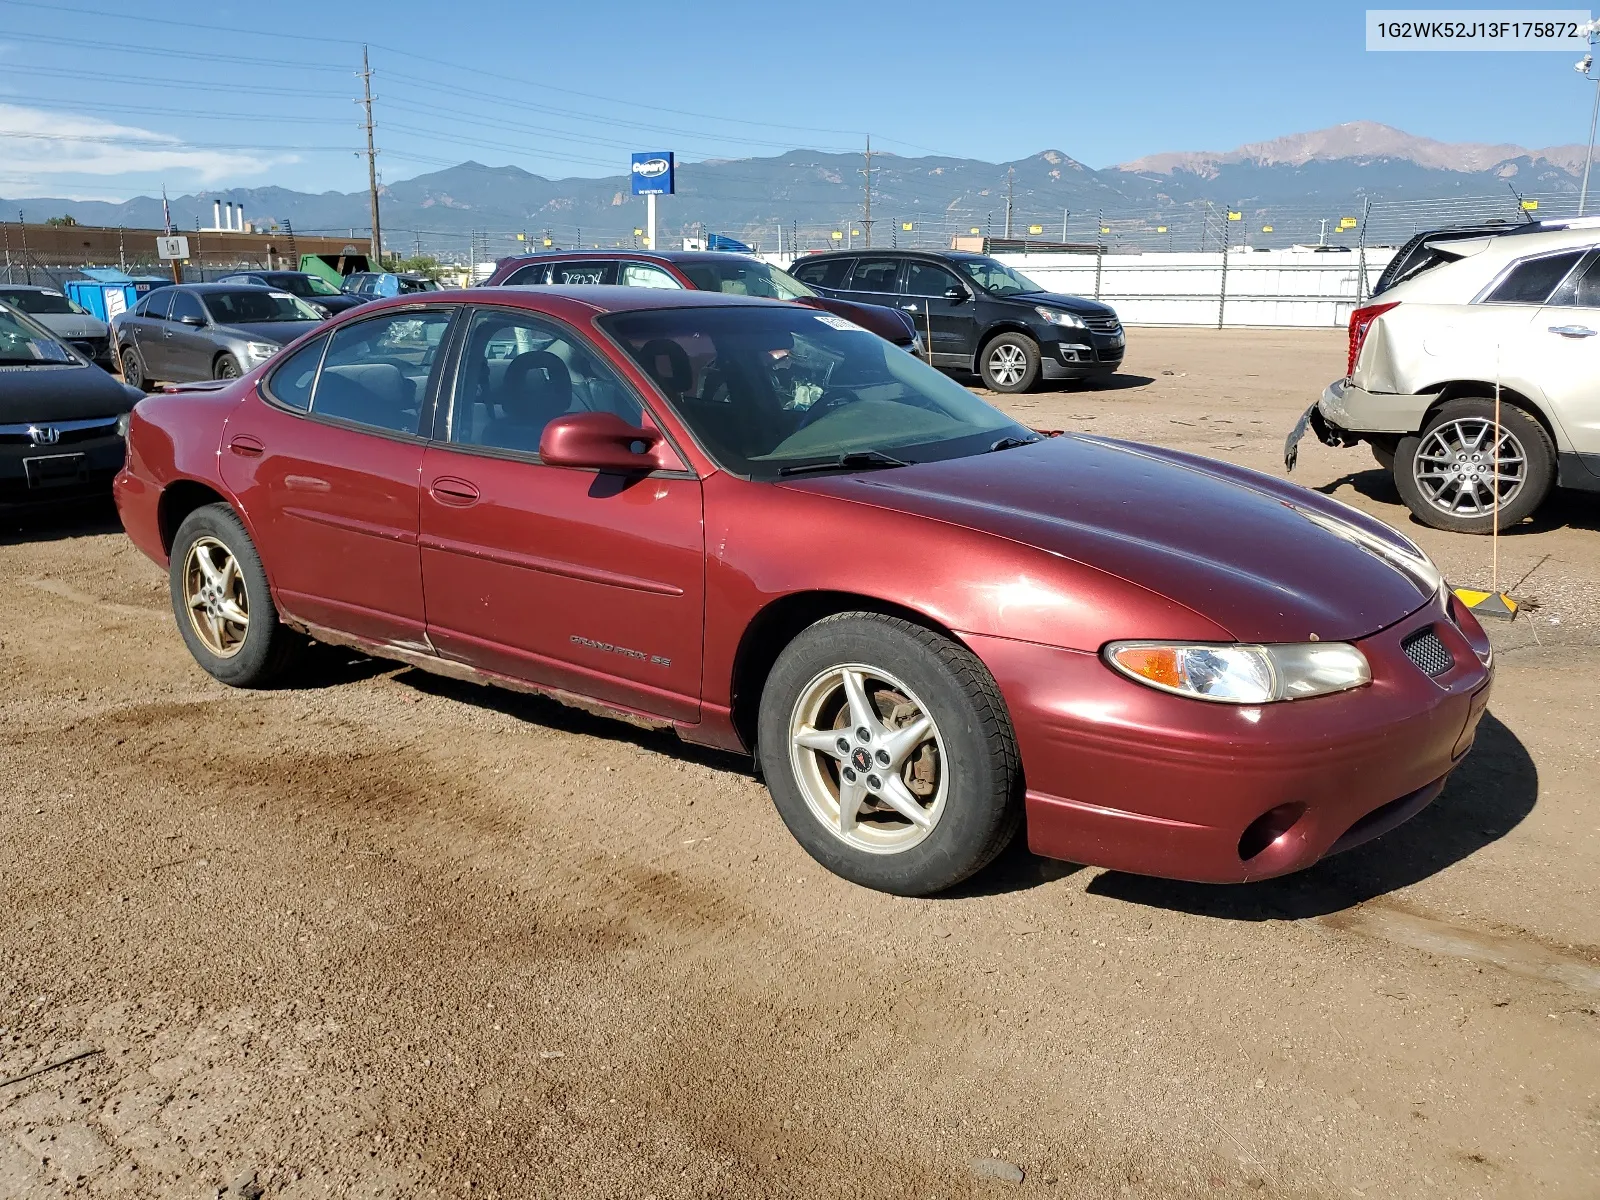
[
  {"x": 215, "y": 597},
  {"x": 1008, "y": 364},
  {"x": 1459, "y": 472},
  {"x": 868, "y": 759}
]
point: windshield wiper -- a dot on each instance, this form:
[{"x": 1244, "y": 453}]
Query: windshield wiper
[
  {"x": 851, "y": 458},
  {"x": 1007, "y": 442}
]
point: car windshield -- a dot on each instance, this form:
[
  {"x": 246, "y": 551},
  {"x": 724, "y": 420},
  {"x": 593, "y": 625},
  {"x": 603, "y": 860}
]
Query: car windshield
[
  {"x": 22, "y": 343},
  {"x": 765, "y": 389},
  {"x": 39, "y": 302},
  {"x": 996, "y": 277},
  {"x": 247, "y": 307},
  {"x": 303, "y": 285},
  {"x": 745, "y": 277}
]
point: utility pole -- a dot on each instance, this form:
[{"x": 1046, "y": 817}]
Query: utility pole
[
  {"x": 1011, "y": 196},
  {"x": 372, "y": 161},
  {"x": 866, "y": 215}
]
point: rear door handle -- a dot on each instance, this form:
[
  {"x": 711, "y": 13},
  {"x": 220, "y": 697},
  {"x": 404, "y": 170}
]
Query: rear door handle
[
  {"x": 458, "y": 493},
  {"x": 249, "y": 447},
  {"x": 1572, "y": 331}
]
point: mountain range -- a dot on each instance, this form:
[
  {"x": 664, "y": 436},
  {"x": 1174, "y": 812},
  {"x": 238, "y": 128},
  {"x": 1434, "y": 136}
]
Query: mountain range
[{"x": 1289, "y": 179}]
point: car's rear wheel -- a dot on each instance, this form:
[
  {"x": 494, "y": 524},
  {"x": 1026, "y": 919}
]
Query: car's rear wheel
[
  {"x": 1458, "y": 472},
  {"x": 889, "y": 753},
  {"x": 226, "y": 367},
  {"x": 1010, "y": 363},
  {"x": 222, "y": 603},
  {"x": 133, "y": 373}
]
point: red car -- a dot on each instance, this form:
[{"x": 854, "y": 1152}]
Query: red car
[
  {"x": 767, "y": 529},
  {"x": 703, "y": 270}
]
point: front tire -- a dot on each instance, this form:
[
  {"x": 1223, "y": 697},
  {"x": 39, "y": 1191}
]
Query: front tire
[
  {"x": 133, "y": 372},
  {"x": 1010, "y": 363},
  {"x": 226, "y": 367},
  {"x": 222, "y": 602},
  {"x": 1449, "y": 475},
  {"x": 889, "y": 754}
]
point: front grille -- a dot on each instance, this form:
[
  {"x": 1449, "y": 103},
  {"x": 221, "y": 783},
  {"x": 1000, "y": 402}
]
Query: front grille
[
  {"x": 1103, "y": 324},
  {"x": 1429, "y": 654}
]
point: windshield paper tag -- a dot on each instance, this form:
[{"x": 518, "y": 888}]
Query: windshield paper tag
[{"x": 839, "y": 322}]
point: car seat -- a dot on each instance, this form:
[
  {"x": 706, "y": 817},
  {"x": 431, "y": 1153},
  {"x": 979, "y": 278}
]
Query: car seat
[{"x": 536, "y": 389}]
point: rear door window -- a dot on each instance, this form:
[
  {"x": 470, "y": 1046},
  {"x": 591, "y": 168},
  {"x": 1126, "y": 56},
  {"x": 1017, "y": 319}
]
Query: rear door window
[
  {"x": 822, "y": 272},
  {"x": 533, "y": 273},
  {"x": 646, "y": 275},
  {"x": 874, "y": 275},
  {"x": 378, "y": 373},
  {"x": 1581, "y": 289},
  {"x": 1531, "y": 282},
  {"x": 155, "y": 305}
]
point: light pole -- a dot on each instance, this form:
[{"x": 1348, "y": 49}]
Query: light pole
[{"x": 1582, "y": 67}]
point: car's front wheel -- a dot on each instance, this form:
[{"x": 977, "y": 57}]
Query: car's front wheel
[
  {"x": 226, "y": 367},
  {"x": 1010, "y": 363},
  {"x": 1459, "y": 473},
  {"x": 133, "y": 373},
  {"x": 889, "y": 753},
  {"x": 222, "y": 603}
]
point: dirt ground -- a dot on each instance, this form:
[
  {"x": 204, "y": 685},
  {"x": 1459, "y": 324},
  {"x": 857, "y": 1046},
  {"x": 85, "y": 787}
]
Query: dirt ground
[{"x": 384, "y": 935}]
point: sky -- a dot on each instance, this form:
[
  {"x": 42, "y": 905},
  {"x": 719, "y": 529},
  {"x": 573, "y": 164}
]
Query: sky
[{"x": 103, "y": 101}]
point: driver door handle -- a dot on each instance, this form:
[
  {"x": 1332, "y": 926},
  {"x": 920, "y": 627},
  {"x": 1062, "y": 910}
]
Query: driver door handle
[
  {"x": 1572, "y": 331},
  {"x": 457, "y": 493}
]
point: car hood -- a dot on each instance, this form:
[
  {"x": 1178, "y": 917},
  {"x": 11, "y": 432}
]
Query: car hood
[
  {"x": 1073, "y": 304},
  {"x": 72, "y": 325},
  {"x": 1261, "y": 558},
  {"x": 279, "y": 332},
  {"x": 886, "y": 322},
  {"x": 60, "y": 393}
]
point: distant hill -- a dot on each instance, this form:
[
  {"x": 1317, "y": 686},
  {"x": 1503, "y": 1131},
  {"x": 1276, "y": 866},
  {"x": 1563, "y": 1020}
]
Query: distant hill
[{"x": 1303, "y": 175}]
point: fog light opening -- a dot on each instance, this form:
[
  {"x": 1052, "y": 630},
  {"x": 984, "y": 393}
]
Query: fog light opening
[{"x": 1268, "y": 828}]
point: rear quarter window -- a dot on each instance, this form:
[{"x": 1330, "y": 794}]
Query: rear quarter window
[{"x": 1531, "y": 282}]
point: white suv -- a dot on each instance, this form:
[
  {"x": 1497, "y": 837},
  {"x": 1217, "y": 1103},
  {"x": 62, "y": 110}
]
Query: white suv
[{"x": 1522, "y": 309}]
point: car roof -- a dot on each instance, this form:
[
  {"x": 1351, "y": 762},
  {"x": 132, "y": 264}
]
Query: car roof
[
  {"x": 1512, "y": 244},
  {"x": 879, "y": 252},
  {"x": 668, "y": 256},
  {"x": 204, "y": 288},
  {"x": 27, "y": 287},
  {"x": 601, "y": 298}
]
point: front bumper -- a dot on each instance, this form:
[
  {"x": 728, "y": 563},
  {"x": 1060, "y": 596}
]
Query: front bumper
[
  {"x": 1130, "y": 778},
  {"x": 68, "y": 470},
  {"x": 1081, "y": 355}
]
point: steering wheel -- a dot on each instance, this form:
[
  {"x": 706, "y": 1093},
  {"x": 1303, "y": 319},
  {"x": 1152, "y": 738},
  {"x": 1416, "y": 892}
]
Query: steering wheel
[{"x": 832, "y": 398}]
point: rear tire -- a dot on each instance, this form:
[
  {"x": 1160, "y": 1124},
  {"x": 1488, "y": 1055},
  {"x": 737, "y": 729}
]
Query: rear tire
[
  {"x": 222, "y": 602},
  {"x": 133, "y": 372},
  {"x": 1010, "y": 363},
  {"x": 960, "y": 776},
  {"x": 1445, "y": 474}
]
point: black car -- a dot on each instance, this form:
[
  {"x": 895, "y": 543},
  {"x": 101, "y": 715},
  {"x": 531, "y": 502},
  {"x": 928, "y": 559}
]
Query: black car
[
  {"x": 195, "y": 331},
  {"x": 61, "y": 417},
  {"x": 313, "y": 289},
  {"x": 977, "y": 314}
]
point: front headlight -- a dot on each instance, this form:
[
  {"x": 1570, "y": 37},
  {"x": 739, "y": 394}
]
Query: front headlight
[
  {"x": 261, "y": 351},
  {"x": 1236, "y": 674},
  {"x": 123, "y": 422},
  {"x": 916, "y": 346},
  {"x": 1066, "y": 320}
]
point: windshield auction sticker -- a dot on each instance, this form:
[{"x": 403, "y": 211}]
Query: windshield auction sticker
[{"x": 1566, "y": 30}]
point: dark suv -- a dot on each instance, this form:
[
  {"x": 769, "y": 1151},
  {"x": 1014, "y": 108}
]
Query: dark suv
[{"x": 977, "y": 314}]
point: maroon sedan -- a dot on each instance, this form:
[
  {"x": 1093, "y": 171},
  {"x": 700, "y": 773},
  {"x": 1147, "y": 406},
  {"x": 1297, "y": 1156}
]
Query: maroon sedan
[
  {"x": 761, "y": 526},
  {"x": 701, "y": 270}
]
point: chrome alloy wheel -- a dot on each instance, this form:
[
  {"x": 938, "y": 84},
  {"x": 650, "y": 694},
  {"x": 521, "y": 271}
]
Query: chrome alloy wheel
[
  {"x": 215, "y": 597},
  {"x": 1008, "y": 364},
  {"x": 1458, "y": 472},
  {"x": 868, "y": 759}
]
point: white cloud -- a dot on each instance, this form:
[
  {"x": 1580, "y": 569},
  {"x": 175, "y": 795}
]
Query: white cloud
[{"x": 40, "y": 145}]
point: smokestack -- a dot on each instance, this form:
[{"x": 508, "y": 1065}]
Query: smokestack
[
  {"x": 241, "y": 217},
  {"x": 216, "y": 214}
]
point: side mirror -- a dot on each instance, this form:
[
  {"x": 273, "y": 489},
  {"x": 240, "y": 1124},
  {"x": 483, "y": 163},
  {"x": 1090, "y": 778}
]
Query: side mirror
[
  {"x": 196, "y": 322},
  {"x": 957, "y": 294},
  {"x": 602, "y": 441}
]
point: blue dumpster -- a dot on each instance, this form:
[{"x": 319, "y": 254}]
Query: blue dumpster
[{"x": 108, "y": 291}]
